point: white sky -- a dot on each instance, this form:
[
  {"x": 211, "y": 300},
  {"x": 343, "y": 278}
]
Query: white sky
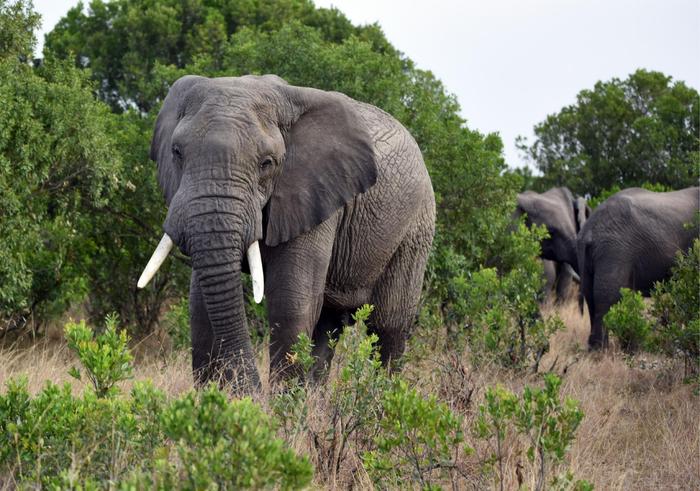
[{"x": 512, "y": 62}]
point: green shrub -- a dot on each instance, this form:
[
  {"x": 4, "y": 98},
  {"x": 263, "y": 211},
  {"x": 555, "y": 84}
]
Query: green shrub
[
  {"x": 353, "y": 404},
  {"x": 543, "y": 424},
  {"x": 221, "y": 443},
  {"x": 626, "y": 320},
  {"x": 677, "y": 307},
  {"x": 103, "y": 439},
  {"x": 56, "y": 436},
  {"x": 497, "y": 310},
  {"x": 419, "y": 437}
]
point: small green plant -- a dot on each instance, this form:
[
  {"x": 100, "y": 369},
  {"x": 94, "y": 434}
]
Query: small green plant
[
  {"x": 300, "y": 354},
  {"x": 626, "y": 320},
  {"x": 105, "y": 357},
  {"x": 289, "y": 405},
  {"x": 494, "y": 310},
  {"x": 358, "y": 382},
  {"x": 419, "y": 437},
  {"x": 177, "y": 324},
  {"x": 544, "y": 424},
  {"x": 492, "y": 425}
]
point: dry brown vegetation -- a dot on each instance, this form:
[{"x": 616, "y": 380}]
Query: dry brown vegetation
[{"x": 641, "y": 427}]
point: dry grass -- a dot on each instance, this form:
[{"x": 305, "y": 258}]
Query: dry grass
[{"x": 641, "y": 428}]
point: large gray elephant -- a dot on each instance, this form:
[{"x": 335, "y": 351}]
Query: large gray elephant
[
  {"x": 563, "y": 215},
  {"x": 631, "y": 241},
  {"x": 328, "y": 195}
]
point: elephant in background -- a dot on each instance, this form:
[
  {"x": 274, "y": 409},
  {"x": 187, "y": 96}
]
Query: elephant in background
[
  {"x": 630, "y": 241},
  {"x": 563, "y": 215},
  {"x": 325, "y": 197}
]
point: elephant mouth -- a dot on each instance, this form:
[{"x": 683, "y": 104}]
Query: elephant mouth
[{"x": 165, "y": 246}]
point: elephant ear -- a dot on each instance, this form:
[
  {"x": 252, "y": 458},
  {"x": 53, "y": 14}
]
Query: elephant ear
[
  {"x": 329, "y": 160},
  {"x": 169, "y": 173}
]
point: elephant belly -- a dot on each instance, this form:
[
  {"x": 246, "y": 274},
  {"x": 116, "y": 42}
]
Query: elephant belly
[{"x": 371, "y": 227}]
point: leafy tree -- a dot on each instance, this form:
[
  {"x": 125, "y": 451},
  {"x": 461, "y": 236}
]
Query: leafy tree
[
  {"x": 621, "y": 133},
  {"x": 58, "y": 167},
  {"x": 123, "y": 41},
  {"x": 18, "y": 21},
  {"x": 122, "y": 238}
]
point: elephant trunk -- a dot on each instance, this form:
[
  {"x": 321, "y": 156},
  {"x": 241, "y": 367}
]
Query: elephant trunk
[{"x": 216, "y": 257}]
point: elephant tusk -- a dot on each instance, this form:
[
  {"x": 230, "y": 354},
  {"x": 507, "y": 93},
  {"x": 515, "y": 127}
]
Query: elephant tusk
[
  {"x": 164, "y": 247},
  {"x": 256, "y": 271},
  {"x": 573, "y": 273}
]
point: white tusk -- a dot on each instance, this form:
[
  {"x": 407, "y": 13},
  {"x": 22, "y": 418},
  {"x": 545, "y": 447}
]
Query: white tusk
[
  {"x": 164, "y": 247},
  {"x": 573, "y": 273},
  {"x": 256, "y": 271}
]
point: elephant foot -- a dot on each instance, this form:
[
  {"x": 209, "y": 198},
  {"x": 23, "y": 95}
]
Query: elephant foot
[{"x": 597, "y": 343}]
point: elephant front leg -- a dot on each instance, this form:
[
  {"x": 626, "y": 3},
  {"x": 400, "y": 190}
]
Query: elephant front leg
[{"x": 294, "y": 287}]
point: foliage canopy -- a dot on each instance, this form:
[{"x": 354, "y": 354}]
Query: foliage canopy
[{"x": 643, "y": 129}]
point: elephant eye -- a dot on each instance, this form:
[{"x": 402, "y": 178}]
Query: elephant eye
[
  {"x": 265, "y": 163},
  {"x": 177, "y": 153}
]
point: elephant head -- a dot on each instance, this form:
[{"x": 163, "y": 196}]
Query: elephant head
[
  {"x": 247, "y": 159},
  {"x": 562, "y": 214}
]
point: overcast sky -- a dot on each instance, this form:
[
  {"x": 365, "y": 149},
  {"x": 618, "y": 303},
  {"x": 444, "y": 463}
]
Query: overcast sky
[{"x": 512, "y": 62}]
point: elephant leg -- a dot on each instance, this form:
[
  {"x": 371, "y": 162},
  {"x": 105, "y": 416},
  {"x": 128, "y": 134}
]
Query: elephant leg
[
  {"x": 294, "y": 286},
  {"x": 202, "y": 335},
  {"x": 563, "y": 283},
  {"x": 549, "y": 270},
  {"x": 607, "y": 282},
  {"x": 397, "y": 293}
]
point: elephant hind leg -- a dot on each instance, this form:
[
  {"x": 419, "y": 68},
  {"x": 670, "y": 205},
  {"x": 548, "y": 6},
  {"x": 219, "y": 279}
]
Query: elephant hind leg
[
  {"x": 397, "y": 293},
  {"x": 606, "y": 293}
]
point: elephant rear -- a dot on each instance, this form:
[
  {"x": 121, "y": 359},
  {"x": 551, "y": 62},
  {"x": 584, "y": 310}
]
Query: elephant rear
[{"x": 631, "y": 241}]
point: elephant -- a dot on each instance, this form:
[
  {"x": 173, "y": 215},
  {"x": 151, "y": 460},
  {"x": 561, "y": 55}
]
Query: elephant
[
  {"x": 630, "y": 241},
  {"x": 324, "y": 199},
  {"x": 563, "y": 215}
]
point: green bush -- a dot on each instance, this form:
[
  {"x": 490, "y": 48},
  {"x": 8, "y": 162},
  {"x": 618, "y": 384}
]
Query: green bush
[
  {"x": 106, "y": 357},
  {"x": 626, "y": 320},
  {"x": 55, "y": 437},
  {"x": 221, "y": 443},
  {"x": 677, "y": 307},
  {"x": 495, "y": 310},
  {"x": 58, "y": 168},
  {"x": 418, "y": 437},
  {"x": 542, "y": 423},
  {"x": 353, "y": 405},
  {"x": 102, "y": 439}
]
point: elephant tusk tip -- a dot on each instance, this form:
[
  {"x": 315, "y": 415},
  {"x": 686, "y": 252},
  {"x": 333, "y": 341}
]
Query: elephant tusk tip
[{"x": 141, "y": 283}]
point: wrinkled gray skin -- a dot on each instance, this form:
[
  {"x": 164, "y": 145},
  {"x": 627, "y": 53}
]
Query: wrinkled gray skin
[
  {"x": 631, "y": 241},
  {"x": 336, "y": 192},
  {"x": 563, "y": 215}
]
